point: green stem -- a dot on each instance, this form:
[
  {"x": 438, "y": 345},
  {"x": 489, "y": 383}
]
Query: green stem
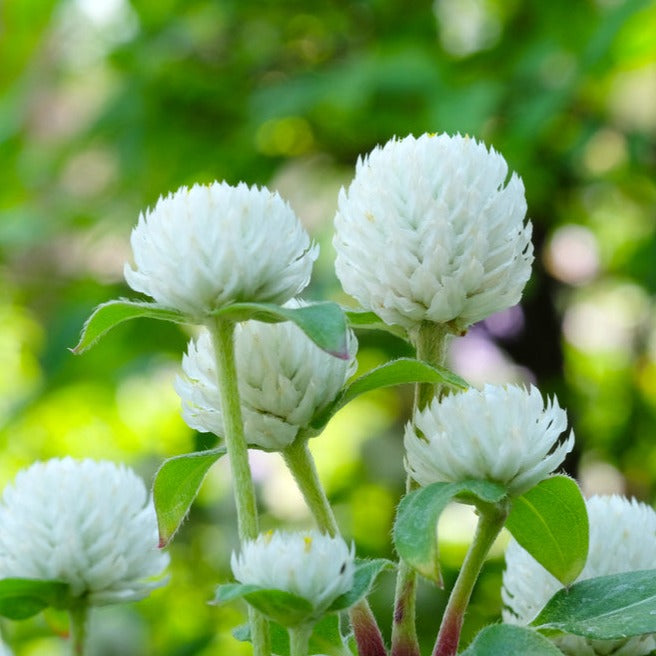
[
  {"x": 430, "y": 341},
  {"x": 300, "y": 462},
  {"x": 223, "y": 340},
  {"x": 299, "y": 640},
  {"x": 79, "y": 614},
  {"x": 491, "y": 521}
]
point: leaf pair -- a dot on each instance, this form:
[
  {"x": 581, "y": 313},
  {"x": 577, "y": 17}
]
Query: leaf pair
[
  {"x": 291, "y": 610},
  {"x": 549, "y": 521},
  {"x": 324, "y": 323}
]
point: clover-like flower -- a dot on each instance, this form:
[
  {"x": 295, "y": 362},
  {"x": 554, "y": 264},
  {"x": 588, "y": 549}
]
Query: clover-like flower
[
  {"x": 432, "y": 229},
  {"x": 622, "y": 539},
  {"x": 284, "y": 380},
  {"x": 500, "y": 434},
  {"x": 317, "y": 567},
  {"x": 206, "y": 246},
  {"x": 89, "y": 524}
]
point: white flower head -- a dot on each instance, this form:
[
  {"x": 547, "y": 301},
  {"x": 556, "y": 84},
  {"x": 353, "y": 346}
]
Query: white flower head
[
  {"x": 206, "y": 246},
  {"x": 500, "y": 434},
  {"x": 87, "y": 523},
  {"x": 284, "y": 379},
  {"x": 308, "y": 564},
  {"x": 432, "y": 229},
  {"x": 622, "y": 539}
]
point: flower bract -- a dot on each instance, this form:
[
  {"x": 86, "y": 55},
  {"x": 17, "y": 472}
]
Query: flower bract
[
  {"x": 432, "y": 229},
  {"x": 502, "y": 434},
  {"x": 311, "y": 565},
  {"x": 203, "y": 247},
  {"x": 622, "y": 539},
  {"x": 89, "y": 524}
]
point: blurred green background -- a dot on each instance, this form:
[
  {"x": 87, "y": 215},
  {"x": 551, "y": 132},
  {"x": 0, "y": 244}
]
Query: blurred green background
[{"x": 106, "y": 104}]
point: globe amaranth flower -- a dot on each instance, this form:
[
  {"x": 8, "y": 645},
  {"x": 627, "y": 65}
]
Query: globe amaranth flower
[
  {"x": 622, "y": 539},
  {"x": 206, "y": 246},
  {"x": 284, "y": 380},
  {"x": 308, "y": 564},
  {"x": 501, "y": 434},
  {"x": 87, "y": 523},
  {"x": 432, "y": 229}
]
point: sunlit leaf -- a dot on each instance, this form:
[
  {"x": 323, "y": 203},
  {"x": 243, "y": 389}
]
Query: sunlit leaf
[
  {"x": 604, "y": 608},
  {"x": 551, "y": 522},
  {"x": 175, "y": 487}
]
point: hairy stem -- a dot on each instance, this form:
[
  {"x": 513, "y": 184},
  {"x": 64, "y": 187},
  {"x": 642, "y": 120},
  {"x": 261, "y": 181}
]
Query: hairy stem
[
  {"x": 223, "y": 340},
  {"x": 79, "y": 615},
  {"x": 430, "y": 341},
  {"x": 299, "y": 639},
  {"x": 300, "y": 462},
  {"x": 491, "y": 520}
]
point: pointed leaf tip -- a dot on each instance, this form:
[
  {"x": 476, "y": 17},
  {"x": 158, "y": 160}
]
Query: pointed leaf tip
[
  {"x": 175, "y": 487},
  {"x": 108, "y": 315}
]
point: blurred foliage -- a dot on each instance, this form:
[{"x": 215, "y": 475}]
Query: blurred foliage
[{"x": 105, "y": 105}]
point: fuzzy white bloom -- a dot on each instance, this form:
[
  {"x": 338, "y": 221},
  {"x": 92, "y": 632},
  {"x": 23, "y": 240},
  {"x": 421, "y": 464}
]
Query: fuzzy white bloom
[
  {"x": 622, "y": 539},
  {"x": 311, "y": 565},
  {"x": 87, "y": 523},
  {"x": 432, "y": 229},
  {"x": 500, "y": 434},
  {"x": 203, "y": 247},
  {"x": 284, "y": 379},
  {"x": 4, "y": 649}
]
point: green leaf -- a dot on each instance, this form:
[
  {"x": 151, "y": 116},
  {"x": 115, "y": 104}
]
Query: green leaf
[
  {"x": 110, "y": 314},
  {"x": 551, "y": 522},
  {"x": 396, "y": 372},
  {"x": 363, "y": 320},
  {"x": 604, "y": 608},
  {"x": 227, "y": 592},
  {"x": 415, "y": 528},
  {"x": 324, "y": 323},
  {"x": 283, "y": 607},
  {"x": 176, "y": 485},
  {"x": 326, "y": 637},
  {"x": 23, "y": 598},
  {"x": 366, "y": 572},
  {"x": 505, "y": 639}
]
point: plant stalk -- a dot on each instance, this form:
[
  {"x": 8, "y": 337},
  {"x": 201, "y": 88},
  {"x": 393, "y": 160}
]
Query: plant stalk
[
  {"x": 430, "y": 341},
  {"x": 299, "y": 640},
  {"x": 79, "y": 616},
  {"x": 300, "y": 463},
  {"x": 222, "y": 332},
  {"x": 492, "y": 517}
]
